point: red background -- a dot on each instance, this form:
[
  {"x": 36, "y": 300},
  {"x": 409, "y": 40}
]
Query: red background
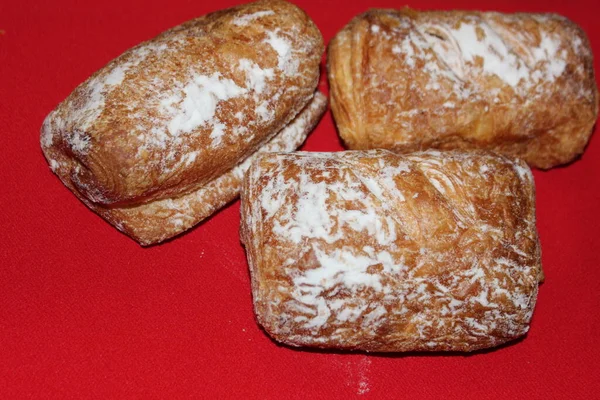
[{"x": 87, "y": 313}]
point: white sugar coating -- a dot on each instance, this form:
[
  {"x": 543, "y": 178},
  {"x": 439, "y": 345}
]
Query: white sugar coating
[
  {"x": 482, "y": 299},
  {"x": 475, "y": 46},
  {"x": 440, "y": 40},
  {"x": 47, "y": 136},
  {"x": 323, "y": 314},
  {"x": 171, "y": 112},
  {"x": 87, "y": 113},
  {"x": 94, "y": 104},
  {"x": 263, "y": 111},
  {"x": 496, "y": 56},
  {"x": 194, "y": 103},
  {"x": 200, "y": 99},
  {"x": 245, "y": 19},
  {"x": 115, "y": 77},
  {"x": 242, "y": 131},
  {"x": 406, "y": 48},
  {"x": 289, "y": 138},
  {"x": 387, "y": 176},
  {"x": 190, "y": 157},
  {"x": 440, "y": 61},
  {"x": 371, "y": 318},
  {"x": 342, "y": 266},
  {"x": 217, "y": 133},
  {"x": 437, "y": 185},
  {"x": 79, "y": 141},
  {"x": 351, "y": 313},
  {"x": 84, "y": 114},
  {"x": 524, "y": 171},
  {"x": 256, "y": 77},
  {"x": 54, "y": 165},
  {"x": 548, "y": 52},
  {"x": 313, "y": 218},
  {"x": 283, "y": 47}
]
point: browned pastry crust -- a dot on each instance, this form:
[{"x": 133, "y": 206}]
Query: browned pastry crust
[
  {"x": 376, "y": 251},
  {"x": 519, "y": 84},
  {"x": 155, "y": 221},
  {"x": 172, "y": 116}
]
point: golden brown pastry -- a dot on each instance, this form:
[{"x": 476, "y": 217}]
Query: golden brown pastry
[
  {"x": 153, "y": 141},
  {"x": 376, "y": 251},
  {"x": 520, "y": 84}
]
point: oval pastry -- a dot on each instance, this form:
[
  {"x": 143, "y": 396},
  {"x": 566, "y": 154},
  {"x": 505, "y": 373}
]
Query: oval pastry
[
  {"x": 172, "y": 115},
  {"x": 519, "y": 84}
]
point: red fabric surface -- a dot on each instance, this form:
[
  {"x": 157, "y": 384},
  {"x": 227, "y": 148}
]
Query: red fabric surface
[{"x": 87, "y": 313}]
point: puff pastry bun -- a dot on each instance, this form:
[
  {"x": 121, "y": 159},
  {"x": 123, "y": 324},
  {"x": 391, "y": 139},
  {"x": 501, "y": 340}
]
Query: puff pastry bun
[
  {"x": 520, "y": 84},
  {"x": 376, "y": 251},
  {"x": 155, "y": 141}
]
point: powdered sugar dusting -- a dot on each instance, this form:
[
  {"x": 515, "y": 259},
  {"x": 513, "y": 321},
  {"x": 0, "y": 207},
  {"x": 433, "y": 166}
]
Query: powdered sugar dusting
[
  {"x": 47, "y": 133},
  {"x": 497, "y": 58},
  {"x": 246, "y": 19},
  {"x": 264, "y": 112},
  {"x": 463, "y": 79},
  {"x": 313, "y": 217},
  {"x": 79, "y": 141},
  {"x": 256, "y": 77},
  {"x": 85, "y": 113},
  {"x": 282, "y": 46},
  {"x": 363, "y": 370},
  {"x": 198, "y": 103},
  {"x": 548, "y": 53},
  {"x": 420, "y": 46},
  {"x": 116, "y": 76},
  {"x": 356, "y": 370},
  {"x": 54, "y": 165},
  {"x": 479, "y": 45}
]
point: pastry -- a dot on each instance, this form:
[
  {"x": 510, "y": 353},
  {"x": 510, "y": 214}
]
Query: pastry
[
  {"x": 155, "y": 141},
  {"x": 519, "y": 84},
  {"x": 375, "y": 251}
]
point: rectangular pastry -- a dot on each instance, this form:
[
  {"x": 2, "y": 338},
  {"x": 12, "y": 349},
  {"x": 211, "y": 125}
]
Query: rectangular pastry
[
  {"x": 374, "y": 251},
  {"x": 519, "y": 84},
  {"x": 155, "y": 141}
]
